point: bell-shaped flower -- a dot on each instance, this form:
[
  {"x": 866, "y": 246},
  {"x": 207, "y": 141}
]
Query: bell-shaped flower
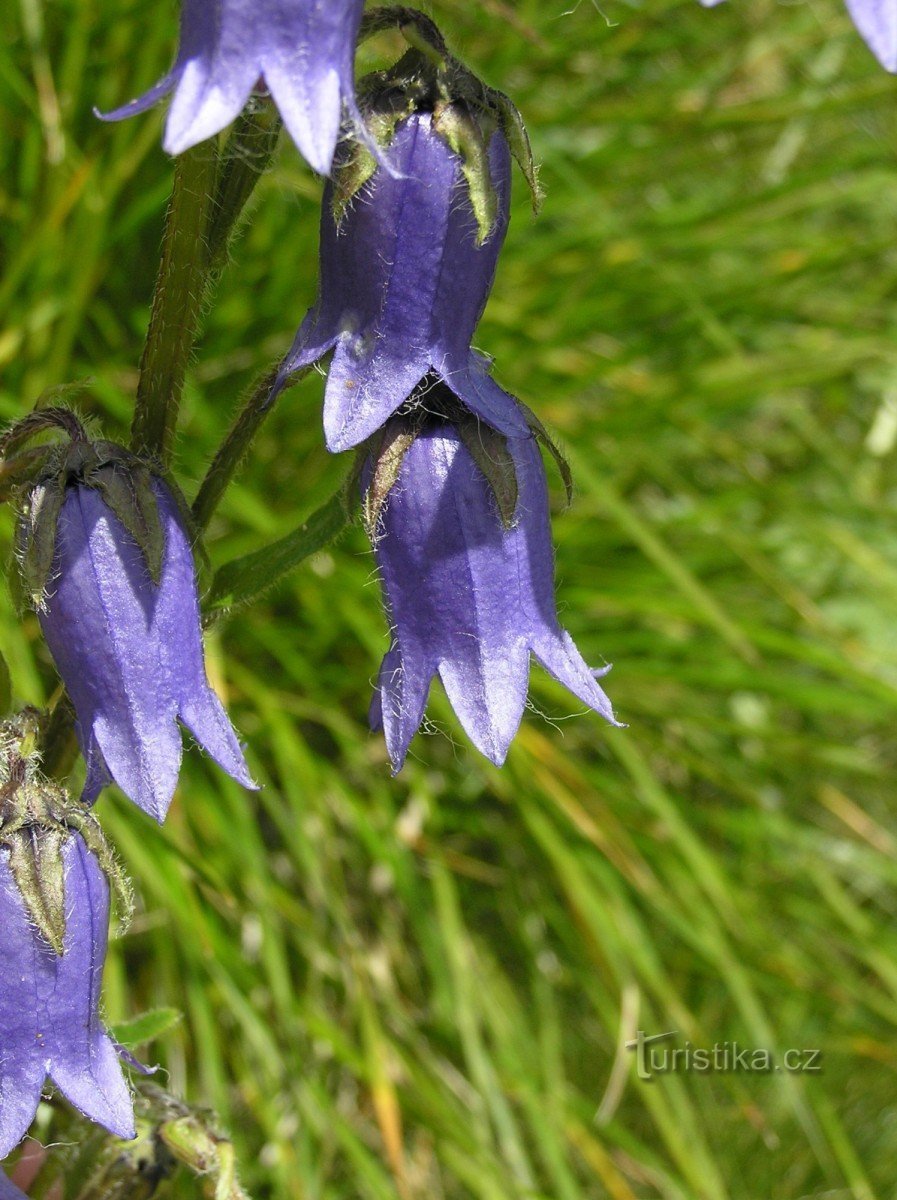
[
  {"x": 302, "y": 51},
  {"x": 129, "y": 649},
  {"x": 49, "y": 1006},
  {"x": 404, "y": 279},
  {"x": 877, "y": 22},
  {"x": 469, "y": 598}
]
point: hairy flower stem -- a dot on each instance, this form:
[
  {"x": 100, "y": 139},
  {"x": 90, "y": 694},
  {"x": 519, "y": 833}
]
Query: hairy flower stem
[
  {"x": 236, "y": 445},
  {"x": 247, "y": 154},
  {"x": 207, "y": 201},
  {"x": 177, "y": 304}
]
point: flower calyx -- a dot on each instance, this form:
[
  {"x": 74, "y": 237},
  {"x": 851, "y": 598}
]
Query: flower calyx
[
  {"x": 37, "y": 818},
  {"x": 466, "y": 114},
  {"x": 123, "y": 479},
  {"x": 433, "y": 404}
]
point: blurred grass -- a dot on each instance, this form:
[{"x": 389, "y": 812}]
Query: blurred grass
[{"x": 420, "y": 987}]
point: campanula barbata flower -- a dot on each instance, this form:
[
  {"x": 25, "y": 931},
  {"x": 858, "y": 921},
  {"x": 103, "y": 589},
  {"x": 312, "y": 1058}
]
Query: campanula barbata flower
[
  {"x": 302, "y": 51},
  {"x": 877, "y": 22},
  {"x": 404, "y": 278},
  {"x": 469, "y": 597},
  {"x": 129, "y": 649},
  {"x": 49, "y": 1016}
]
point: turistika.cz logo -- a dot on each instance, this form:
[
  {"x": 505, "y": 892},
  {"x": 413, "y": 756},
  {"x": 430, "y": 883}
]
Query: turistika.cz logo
[{"x": 655, "y": 1055}]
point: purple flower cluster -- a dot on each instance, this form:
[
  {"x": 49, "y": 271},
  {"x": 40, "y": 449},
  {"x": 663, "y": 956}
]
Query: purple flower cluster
[
  {"x": 404, "y": 278},
  {"x": 453, "y": 486}
]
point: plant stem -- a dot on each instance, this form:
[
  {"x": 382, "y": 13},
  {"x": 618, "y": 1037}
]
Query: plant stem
[
  {"x": 236, "y": 444},
  {"x": 177, "y": 303}
]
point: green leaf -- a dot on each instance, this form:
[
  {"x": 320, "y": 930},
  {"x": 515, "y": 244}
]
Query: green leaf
[
  {"x": 146, "y": 1027},
  {"x": 243, "y": 580}
]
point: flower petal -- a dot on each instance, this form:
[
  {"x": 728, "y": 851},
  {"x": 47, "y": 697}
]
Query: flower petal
[{"x": 877, "y": 22}]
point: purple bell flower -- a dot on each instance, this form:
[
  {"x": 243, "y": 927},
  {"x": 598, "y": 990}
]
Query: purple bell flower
[
  {"x": 49, "y": 1013},
  {"x": 130, "y": 652},
  {"x": 403, "y": 284},
  {"x": 301, "y": 50},
  {"x": 877, "y": 22},
  {"x": 468, "y": 599}
]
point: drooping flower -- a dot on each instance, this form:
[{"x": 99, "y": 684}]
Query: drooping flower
[
  {"x": 129, "y": 649},
  {"x": 302, "y": 51},
  {"x": 876, "y": 21},
  {"x": 404, "y": 279},
  {"x": 468, "y": 598},
  {"x": 49, "y": 1014}
]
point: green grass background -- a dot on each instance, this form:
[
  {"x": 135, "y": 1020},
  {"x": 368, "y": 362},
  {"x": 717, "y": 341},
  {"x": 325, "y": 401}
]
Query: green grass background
[{"x": 419, "y": 988}]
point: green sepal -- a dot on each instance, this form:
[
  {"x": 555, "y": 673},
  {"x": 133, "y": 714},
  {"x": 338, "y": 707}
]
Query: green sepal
[
  {"x": 36, "y": 537},
  {"x": 192, "y": 1139},
  {"x": 466, "y": 113},
  {"x": 467, "y": 137},
  {"x": 545, "y": 438},
  {"x": 37, "y": 817},
  {"x": 489, "y": 450},
  {"x": 415, "y": 27},
  {"x": 357, "y": 164},
  {"x": 512, "y": 126},
  {"x": 126, "y": 489},
  {"x": 35, "y": 860},
  {"x": 387, "y": 451},
  {"x": 123, "y": 479}
]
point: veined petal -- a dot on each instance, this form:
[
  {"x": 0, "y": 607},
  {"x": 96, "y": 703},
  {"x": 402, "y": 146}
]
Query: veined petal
[
  {"x": 467, "y": 269},
  {"x": 303, "y": 49},
  {"x": 82, "y": 1060},
  {"x": 400, "y": 698},
  {"x": 22, "y": 1065},
  {"x": 365, "y": 389},
  {"x": 560, "y": 657},
  {"x": 144, "y": 759},
  {"x": 476, "y": 388},
  {"x": 129, "y": 650},
  {"x": 488, "y": 692},
  {"x": 206, "y": 101},
  {"x": 177, "y": 629}
]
